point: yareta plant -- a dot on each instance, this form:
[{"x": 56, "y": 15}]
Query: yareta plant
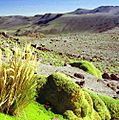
[
  {"x": 88, "y": 67},
  {"x": 17, "y": 79}
]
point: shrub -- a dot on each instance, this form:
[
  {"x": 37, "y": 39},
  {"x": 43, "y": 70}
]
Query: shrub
[
  {"x": 88, "y": 67},
  {"x": 17, "y": 80}
]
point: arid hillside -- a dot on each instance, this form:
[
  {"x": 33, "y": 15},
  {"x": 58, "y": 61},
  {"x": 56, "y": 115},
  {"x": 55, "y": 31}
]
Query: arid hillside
[{"x": 97, "y": 20}]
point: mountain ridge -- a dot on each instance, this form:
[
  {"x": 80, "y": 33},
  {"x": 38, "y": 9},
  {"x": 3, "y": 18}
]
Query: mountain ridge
[
  {"x": 99, "y": 19},
  {"x": 100, "y": 9}
]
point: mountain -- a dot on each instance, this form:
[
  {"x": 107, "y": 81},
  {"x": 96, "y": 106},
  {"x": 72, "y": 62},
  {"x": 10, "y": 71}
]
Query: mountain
[
  {"x": 97, "y": 20},
  {"x": 101, "y": 9}
]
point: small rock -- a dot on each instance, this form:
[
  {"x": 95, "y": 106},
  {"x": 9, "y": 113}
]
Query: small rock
[
  {"x": 117, "y": 92},
  {"x": 112, "y": 86},
  {"x": 80, "y": 83},
  {"x": 117, "y": 86},
  {"x": 78, "y": 75},
  {"x": 106, "y": 76},
  {"x": 114, "y": 77},
  {"x": 65, "y": 64},
  {"x": 34, "y": 45}
]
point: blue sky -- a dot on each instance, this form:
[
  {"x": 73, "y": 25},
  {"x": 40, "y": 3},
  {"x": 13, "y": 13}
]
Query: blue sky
[{"x": 32, "y": 7}]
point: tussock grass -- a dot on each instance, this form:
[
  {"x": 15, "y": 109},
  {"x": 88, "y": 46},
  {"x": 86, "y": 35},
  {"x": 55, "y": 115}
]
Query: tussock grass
[{"x": 17, "y": 79}]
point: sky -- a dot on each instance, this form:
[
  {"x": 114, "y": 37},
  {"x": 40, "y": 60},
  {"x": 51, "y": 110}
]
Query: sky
[{"x": 33, "y": 7}]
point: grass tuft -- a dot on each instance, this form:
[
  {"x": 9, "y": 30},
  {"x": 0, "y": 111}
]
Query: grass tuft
[{"x": 17, "y": 79}]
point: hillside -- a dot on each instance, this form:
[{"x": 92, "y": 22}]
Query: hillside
[
  {"x": 101, "y": 9},
  {"x": 99, "y": 19}
]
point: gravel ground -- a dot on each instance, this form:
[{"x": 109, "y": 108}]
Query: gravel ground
[
  {"x": 91, "y": 82},
  {"x": 102, "y": 46}
]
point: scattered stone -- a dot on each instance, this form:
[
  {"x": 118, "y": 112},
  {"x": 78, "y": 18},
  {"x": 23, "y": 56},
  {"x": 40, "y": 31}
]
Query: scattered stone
[
  {"x": 4, "y": 34},
  {"x": 43, "y": 45},
  {"x": 60, "y": 53},
  {"x": 114, "y": 77},
  {"x": 80, "y": 83},
  {"x": 117, "y": 86},
  {"x": 106, "y": 76},
  {"x": 34, "y": 45},
  {"x": 65, "y": 64},
  {"x": 112, "y": 86},
  {"x": 117, "y": 92},
  {"x": 78, "y": 75}
]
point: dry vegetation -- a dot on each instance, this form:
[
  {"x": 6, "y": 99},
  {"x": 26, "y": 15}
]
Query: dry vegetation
[{"x": 17, "y": 80}]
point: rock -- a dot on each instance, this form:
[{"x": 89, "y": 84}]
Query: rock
[
  {"x": 65, "y": 64},
  {"x": 106, "y": 76},
  {"x": 80, "y": 83},
  {"x": 117, "y": 86},
  {"x": 117, "y": 92},
  {"x": 34, "y": 45},
  {"x": 78, "y": 75},
  {"x": 68, "y": 98},
  {"x": 4, "y": 34},
  {"x": 114, "y": 77},
  {"x": 112, "y": 86},
  {"x": 64, "y": 94}
]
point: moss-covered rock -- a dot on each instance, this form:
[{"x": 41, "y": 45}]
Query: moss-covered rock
[
  {"x": 99, "y": 106},
  {"x": 76, "y": 103},
  {"x": 41, "y": 82},
  {"x": 112, "y": 105},
  {"x": 64, "y": 94},
  {"x": 88, "y": 67}
]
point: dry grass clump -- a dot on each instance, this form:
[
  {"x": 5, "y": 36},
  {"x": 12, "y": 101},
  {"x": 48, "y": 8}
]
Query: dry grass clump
[{"x": 17, "y": 79}]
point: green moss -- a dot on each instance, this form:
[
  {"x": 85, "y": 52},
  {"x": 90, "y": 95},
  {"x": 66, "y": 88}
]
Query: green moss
[
  {"x": 64, "y": 94},
  {"x": 61, "y": 89},
  {"x": 69, "y": 115},
  {"x": 112, "y": 105},
  {"x": 41, "y": 82},
  {"x": 99, "y": 106},
  {"x": 88, "y": 67},
  {"x": 67, "y": 98},
  {"x": 33, "y": 111}
]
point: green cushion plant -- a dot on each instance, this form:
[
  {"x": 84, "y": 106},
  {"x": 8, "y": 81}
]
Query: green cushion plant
[{"x": 88, "y": 67}]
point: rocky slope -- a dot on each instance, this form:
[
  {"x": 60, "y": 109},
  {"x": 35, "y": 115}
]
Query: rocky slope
[{"x": 99, "y": 19}]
